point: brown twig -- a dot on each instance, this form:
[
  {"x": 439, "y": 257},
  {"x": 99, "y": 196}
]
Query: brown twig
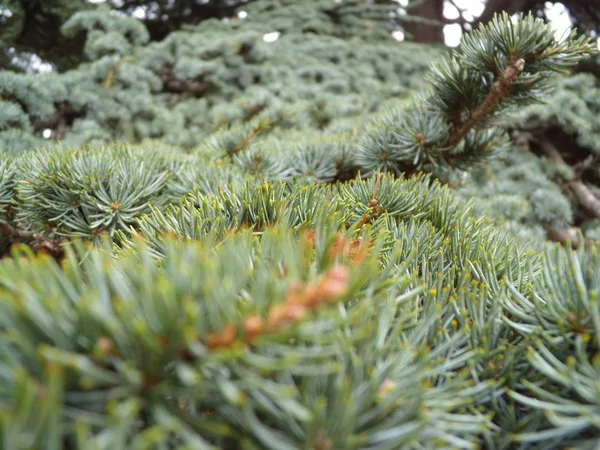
[
  {"x": 584, "y": 195},
  {"x": 550, "y": 150},
  {"x": 253, "y": 111},
  {"x": 113, "y": 69},
  {"x": 257, "y": 129},
  {"x": 498, "y": 93},
  {"x": 373, "y": 203},
  {"x": 586, "y": 198},
  {"x": 60, "y": 120},
  {"x": 42, "y": 243},
  {"x": 173, "y": 84},
  {"x": 584, "y": 165}
]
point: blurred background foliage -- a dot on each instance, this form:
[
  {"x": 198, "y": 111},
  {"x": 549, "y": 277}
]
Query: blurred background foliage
[{"x": 209, "y": 73}]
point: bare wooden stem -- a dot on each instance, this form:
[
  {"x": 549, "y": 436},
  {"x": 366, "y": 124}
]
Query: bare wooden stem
[
  {"x": 16, "y": 235},
  {"x": 498, "y": 93}
]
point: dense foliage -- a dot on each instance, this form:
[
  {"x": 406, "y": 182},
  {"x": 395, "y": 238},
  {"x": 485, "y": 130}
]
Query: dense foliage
[
  {"x": 264, "y": 263},
  {"x": 186, "y": 86}
]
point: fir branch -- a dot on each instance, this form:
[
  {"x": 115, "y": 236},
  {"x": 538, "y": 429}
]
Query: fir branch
[
  {"x": 111, "y": 73},
  {"x": 260, "y": 127},
  {"x": 299, "y": 301},
  {"x": 499, "y": 92}
]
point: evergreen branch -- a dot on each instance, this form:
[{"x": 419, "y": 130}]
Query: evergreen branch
[
  {"x": 499, "y": 91},
  {"x": 501, "y": 64},
  {"x": 299, "y": 301},
  {"x": 111, "y": 73},
  {"x": 258, "y": 128},
  {"x": 373, "y": 203}
]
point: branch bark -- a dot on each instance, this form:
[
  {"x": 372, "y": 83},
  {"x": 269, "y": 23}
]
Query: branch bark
[
  {"x": 498, "y": 93},
  {"x": 36, "y": 240},
  {"x": 176, "y": 85},
  {"x": 582, "y": 193},
  {"x": 494, "y": 6},
  {"x": 563, "y": 236},
  {"x": 586, "y": 198},
  {"x": 428, "y": 31},
  {"x": 60, "y": 120}
]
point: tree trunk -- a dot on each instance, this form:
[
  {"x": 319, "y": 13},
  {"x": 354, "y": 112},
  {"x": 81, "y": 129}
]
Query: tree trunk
[
  {"x": 583, "y": 12},
  {"x": 430, "y": 30},
  {"x": 497, "y": 6}
]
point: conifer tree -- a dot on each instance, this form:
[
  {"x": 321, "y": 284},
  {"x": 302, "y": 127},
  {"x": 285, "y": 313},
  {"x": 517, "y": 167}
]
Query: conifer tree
[{"x": 282, "y": 277}]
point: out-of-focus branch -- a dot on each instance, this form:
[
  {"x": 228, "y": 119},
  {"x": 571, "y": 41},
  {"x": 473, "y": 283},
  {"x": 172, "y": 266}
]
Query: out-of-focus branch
[
  {"x": 584, "y": 195},
  {"x": 37, "y": 240},
  {"x": 563, "y": 236},
  {"x": 176, "y": 85}
]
